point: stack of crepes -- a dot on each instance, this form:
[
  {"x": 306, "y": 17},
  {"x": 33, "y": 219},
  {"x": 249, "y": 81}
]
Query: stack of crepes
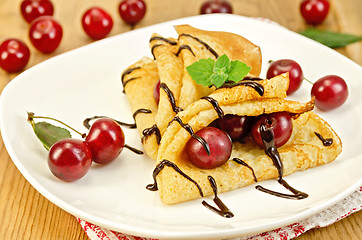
[{"x": 182, "y": 97}]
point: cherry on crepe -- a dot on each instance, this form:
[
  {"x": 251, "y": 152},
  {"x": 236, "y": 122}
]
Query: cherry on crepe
[
  {"x": 220, "y": 148},
  {"x": 279, "y": 122},
  {"x": 14, "y": 55}
]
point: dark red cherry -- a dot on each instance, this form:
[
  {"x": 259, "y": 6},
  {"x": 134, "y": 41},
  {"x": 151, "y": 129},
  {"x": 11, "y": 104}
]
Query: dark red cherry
[
  {"x": 32, "y": 9},
  {"x": 281, "y": 124},
  {"x": 69, "y": 159},
  {"x": 132, "y": 11},
  {"x": 314, "y": 11},
  {"x": 105, "y": 140},
  {"x": 14, "y": 55},
  {"x": 237, "y": 127},
  {"x": 330, "y": 92},
  {"x": 45, "y": 34},
  {"x": 156, "y": 91},
  {"x": 216, "y": 6},
  {"x": 287, "y": 65},
  {"x": 97, "y": 23},
  {"x": 220, "y": 148}
]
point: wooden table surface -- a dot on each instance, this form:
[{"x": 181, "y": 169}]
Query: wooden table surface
[{"x": 24, "y": 213}]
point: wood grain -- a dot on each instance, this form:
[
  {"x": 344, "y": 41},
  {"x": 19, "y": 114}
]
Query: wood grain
[{"x": 24, "y": 213}]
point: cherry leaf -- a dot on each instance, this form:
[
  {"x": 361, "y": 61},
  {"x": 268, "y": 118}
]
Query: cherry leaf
[{"x": 49, "y": 134}]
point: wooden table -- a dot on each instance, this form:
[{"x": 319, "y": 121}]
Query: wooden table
[{"x": 24, "y": 213}]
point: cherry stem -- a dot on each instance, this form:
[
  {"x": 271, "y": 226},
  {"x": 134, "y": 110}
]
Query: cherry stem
[
  {"x": 31, "y": 117},
  {"x": 308, "y": 80}
]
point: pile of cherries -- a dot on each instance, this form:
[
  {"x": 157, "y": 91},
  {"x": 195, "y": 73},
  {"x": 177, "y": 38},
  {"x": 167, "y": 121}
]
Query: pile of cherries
[
  {"x": 45, "y": 32},
  {"x": 69, "y": 159}
]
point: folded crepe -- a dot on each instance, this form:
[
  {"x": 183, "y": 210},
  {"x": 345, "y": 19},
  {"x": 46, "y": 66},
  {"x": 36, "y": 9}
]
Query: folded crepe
[{"x": 303, "y": 150}]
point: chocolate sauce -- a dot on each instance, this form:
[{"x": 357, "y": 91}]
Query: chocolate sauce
[
  {"x": 252, "y": 78},
  {"x": 151, "y": 130},
  {"x": 257, "y": 86},
  {"x": 223, "y": 209},
  {"x": 126, "y": 82},
  {"x": 238, "y": 160},
  {"x": 163, "y": 39},
  {"x": 171, "y": 98},
  {"x": 141, "y": 110},
  {"x": 135, "y": 150},
  {"x": 326, "y": 141},
  {"x": 267, "y": 135},
  {"x": 160, "y": 166},
  {"x": 87, "y": 120},
  {"x": 182, "y": 47},
  {"x": 193, "y": 135},
  {"x": 216, "y": 106},
  {"x": 203, "y": 43},
  {"x": 128, "y": 71},
  {"x": 153, "y": 49}
]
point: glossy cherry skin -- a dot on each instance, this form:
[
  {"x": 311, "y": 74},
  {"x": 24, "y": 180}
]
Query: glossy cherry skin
[
  {"x": 220, "y": 148},
  {"x": 14, "y": 55},
  {"x": 69, "y": 159},
  {"x": 281, "y": 124},
  {"x": 330, "y": 92},
  {"x": 105, "y": 140},
  {"x": 132, "y": 11},
  {"x": 314, "y": 11},
  {"x": 45, "y": 34},
  {"x": 237, "y": 127},
  {"x": 32, "y": 9},
  {"x": 97, "y": 23},
  {"x": 156, "y": 91},
  {"x": 287, "y": 65},
  {"x": 216, "y": 6}
]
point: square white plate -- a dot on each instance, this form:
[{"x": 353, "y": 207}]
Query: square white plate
[{"x": 86, "y": 82}]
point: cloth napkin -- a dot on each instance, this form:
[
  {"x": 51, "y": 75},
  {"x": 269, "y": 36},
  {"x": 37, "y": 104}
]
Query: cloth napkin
[{"x": 342, "y": 209}]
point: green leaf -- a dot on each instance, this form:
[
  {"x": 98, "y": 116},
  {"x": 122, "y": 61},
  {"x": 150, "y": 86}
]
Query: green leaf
[
  {"x": 330, "y": 38},
  {"x": 201, "y": 71},
  {"x": 218, "y": 79},
  {"x": 49, "y": 134},
  {"x": 238, "y": 71},
  {"x": 222, "y": 65}
]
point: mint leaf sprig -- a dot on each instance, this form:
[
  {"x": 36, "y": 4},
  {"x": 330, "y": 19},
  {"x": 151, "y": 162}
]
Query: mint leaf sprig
[{"x": 208, "y": 72}]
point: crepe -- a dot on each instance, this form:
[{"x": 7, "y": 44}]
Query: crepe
[{"x": 303, "y": 150}]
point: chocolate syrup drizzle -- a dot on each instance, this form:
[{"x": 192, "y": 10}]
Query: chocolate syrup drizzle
[
  {"x": 223, "y": 209},
  {"x": 239, "y": 161},
  {"x": 202, "y": 42},
  {"x": 160, "y": 166},
  {"x": 182, "y": 47},
  {"x": 171, "y": 98},
  {"x": 326, "y": 141},
  {"x": 151, "y": 130},
  {"x": 153, "y": 49},
  {"x": 87, "y": 120},
  {"x": 252, "y": 78},
  {"x": 163, "y": 39},
  {"x": 128, "y": 71},
  {"x": 257, "y": 86},
  {"x": 135, "y": 150},
  {"x": 141, "y": 110},
  {"x": 193, "y": 135},
  {"x": 267, "y": 136},
  {"x": 126, "y": 82},
  {"x": 216, "y": 106}
]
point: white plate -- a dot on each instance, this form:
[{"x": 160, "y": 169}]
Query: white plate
[{"x": 86, "y": 82}]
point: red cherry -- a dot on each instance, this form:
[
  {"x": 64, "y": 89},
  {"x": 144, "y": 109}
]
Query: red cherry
[
  {"x": 14, "y": 55},
  {"x": 237, "y": 127},
  {"x": 45, "y": 34},
  {"x": 105, "y": 140},
  {"x": 156, "y": 91},
  {"x": 287, "y": 65},
  {"x": 69, "y": 159},
  {"x": 32, "y": 9},
  {"x": 314, "y": 11},
  {"x": 330, "y": 92},
  {"x": 132, "y": 11},
  {"x": 216, "y": 6},
  {"x": 281, "y": 124},
  {"x": 97, "y": 23},
  {"x": 220, "y": 148}
]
